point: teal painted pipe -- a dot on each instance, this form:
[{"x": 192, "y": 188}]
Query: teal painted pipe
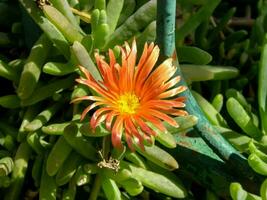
[
  {"x": 166, "y": 10},
  {"x": 166, "y": 40}
]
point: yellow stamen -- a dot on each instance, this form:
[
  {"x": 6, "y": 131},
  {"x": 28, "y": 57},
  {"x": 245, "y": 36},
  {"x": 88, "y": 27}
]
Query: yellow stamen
[{"x": 128, "y": 103}]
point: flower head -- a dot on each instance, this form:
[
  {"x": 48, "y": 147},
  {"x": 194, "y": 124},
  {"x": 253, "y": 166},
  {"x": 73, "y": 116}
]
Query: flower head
[{"x": 130, "y": 95}]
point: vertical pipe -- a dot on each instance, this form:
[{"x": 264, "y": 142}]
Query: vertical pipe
[{"x": 166, "y": 10}]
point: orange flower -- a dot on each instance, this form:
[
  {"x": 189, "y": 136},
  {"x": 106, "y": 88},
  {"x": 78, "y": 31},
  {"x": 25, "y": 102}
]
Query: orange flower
[{"x": 131, "y": 95}]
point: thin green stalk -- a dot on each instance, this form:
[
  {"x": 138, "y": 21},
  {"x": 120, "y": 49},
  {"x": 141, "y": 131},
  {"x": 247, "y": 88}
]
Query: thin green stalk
[
  {"x": 96, "y": 188},
  {"x": 106, "y": 146}
]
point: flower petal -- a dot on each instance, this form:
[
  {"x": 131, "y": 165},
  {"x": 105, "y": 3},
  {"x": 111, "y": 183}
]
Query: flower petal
[
  {"x": 172, "y": 92},
  {"x": 95, "y": 117},
  {"x": 97, "y": 87},
  {"x": 131, "y": 60},
  {"x": 172, "y": 82},
  {"x": 144, "y": 70},
  {"x": 144, "y": 127},
  {"x": 109, "y": 119},
  {"x": 116, "y": 133},
  {"x": 154, "y": 121},
  {"x": 154, "y": 84},
  {"x": 84, "y": 71},
  {"x": 131, "y": 129},
  {"x": 129, "y": 141},
  {"x": 90, "y": 98},
  {"x": 112, "y": 59},
  {"x": 178, "y": 112},
  {"x": 88, "y": 108},
  {"x": 163, "y": 117},
  {"x": 162, "y": 104}
]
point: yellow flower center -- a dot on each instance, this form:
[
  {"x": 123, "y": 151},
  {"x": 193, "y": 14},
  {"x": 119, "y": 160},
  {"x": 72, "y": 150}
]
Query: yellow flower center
[{"x": 128, "y": 103}]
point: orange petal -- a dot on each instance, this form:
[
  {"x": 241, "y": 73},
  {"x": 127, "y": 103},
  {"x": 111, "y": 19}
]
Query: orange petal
[
  {"x": 95, "y": 117},
  {"x": 88, "y": 108},
  {"x": 144, "y": 127},
  {"x": 163, "y": 117},
  {"x": 117, "y": 67},
  {"x": 100, "y": 90},
  {"x": 143, "y": 56},
  {"x": 156, "y": 122},
  {"x": 172, "y": 92},
  {"x": 177, "y": 104},
  {"x": 160, "y": 107},
  {"x": 129, "y": 141},
  {"x": 159, "y": 103},
  {"x": 94, "y": 85},
  {"x": 131, "y": 60},
  {"x": 143, "y": 71},
  {"x": 127, "y": 48},
  {"x": 114, "y": 71},
  {"x": 123, "y": 56},
  {"x": 98, "y": 60},
  {"x": 112, "y": 59},
  {"x": 181, "y": 99},
  {"x": 172, "y": 82},
  {"x": 179, "y": 113},
  {"x": 163, "y": 72},
  {"x": 108, "y": 75},
  {"x": 82, "y": 81},
  {"x": 85, "y": 71},
  {"x": 123, "y": 80},
  {"x": 151, "y": 47},
  {"x": 109, "y": 119},
  {"x": 148, "y": 138},
  {"x": 152, "y": 93},
  {"x": 131, "y": 129},
  {"x": 116, "y": 133},
  {"x": 90, "y": 98},
  {"x": 157, "y": 79},
  {"x": 154, "y": 90}
]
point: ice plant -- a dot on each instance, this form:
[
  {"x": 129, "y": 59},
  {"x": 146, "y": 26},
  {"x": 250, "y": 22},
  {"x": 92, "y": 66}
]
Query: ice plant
[{"x": 131, "y": 95}]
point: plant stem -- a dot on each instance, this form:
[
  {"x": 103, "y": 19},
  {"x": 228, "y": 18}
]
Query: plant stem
[
  {"x": 96, "y": 188},
  {"x": 106, "y": 146}
]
